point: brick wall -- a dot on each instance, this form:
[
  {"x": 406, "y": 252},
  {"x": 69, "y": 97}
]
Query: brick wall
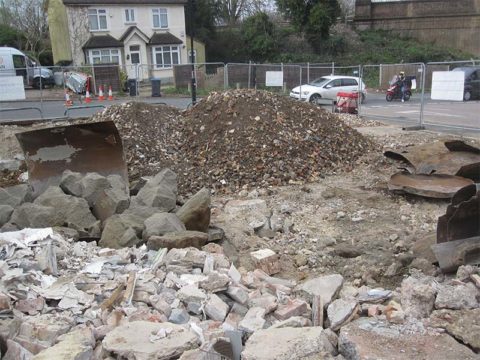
[{"x": 451, "y": 23}]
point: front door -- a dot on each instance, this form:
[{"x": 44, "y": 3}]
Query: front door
[{"x": 134, "y": 62}]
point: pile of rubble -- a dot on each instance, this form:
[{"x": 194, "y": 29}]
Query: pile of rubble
[
  {"x": 254, "y": 138},
  {"x": 62, "y": 299},
  {"x": 150, "y": 134},
  {"x": 92, "y": 206},
  {"x": 236, "y": 139}
]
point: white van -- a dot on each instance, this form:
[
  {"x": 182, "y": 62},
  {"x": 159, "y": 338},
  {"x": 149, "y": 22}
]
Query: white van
[{"x": 15, "y": 63}]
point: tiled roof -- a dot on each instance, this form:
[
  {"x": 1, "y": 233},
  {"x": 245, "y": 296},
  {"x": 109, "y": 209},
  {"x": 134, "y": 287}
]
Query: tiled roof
[
  {"x": 129, "y": 31},
  {"x": 164, "y": 39},
  {"x": 102, "y": 41}
]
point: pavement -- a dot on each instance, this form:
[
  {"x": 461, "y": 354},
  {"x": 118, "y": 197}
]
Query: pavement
[{"x": 458, "y": 117}]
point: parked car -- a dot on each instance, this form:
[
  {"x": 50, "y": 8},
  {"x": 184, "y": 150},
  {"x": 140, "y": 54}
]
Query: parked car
[
  {"x": 327, "y": 87},
  {"x": 472, "y": 82},
  {"x": 13, "y": 62}
]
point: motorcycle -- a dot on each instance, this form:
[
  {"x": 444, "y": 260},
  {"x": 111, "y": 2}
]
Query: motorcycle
[{"x": 395, "y": 92}]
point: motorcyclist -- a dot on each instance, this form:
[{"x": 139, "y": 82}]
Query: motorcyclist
[{"x": 401, "y": 83}]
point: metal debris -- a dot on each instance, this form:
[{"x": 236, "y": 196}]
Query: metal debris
[{"x": 433, "y": 186}]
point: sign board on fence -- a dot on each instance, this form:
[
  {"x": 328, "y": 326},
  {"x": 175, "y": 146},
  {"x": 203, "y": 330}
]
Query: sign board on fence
[
  {"x": 274, "y": 78},
  {"x": 448, "y": 85},
  {"x": 11, "y": 88}
]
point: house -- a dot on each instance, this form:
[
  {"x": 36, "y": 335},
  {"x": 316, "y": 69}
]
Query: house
[{"x": 145, "y": 37}]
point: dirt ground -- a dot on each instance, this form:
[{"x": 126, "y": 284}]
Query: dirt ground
[{"x": 347, "y": 223}]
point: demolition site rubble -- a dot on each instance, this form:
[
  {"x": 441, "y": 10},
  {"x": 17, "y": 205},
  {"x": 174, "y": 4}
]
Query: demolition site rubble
[{"x": 203, "y": 255}]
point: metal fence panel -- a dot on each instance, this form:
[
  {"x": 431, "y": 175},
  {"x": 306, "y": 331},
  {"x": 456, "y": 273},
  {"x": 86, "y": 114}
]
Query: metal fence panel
[{"x": 455, "y": 114}]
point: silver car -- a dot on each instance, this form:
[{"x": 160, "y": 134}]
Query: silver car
[{"x": 327, "y": 88}]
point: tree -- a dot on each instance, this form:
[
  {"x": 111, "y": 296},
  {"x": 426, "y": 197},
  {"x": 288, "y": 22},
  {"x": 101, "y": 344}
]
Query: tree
[
  {"x": 29, "y": 17},
  {"x": 312, "y": 17},
  {"x": 204, "y": 15},
  {"x": 10, "y": 37},
  {"x": 259, "y": 36}
]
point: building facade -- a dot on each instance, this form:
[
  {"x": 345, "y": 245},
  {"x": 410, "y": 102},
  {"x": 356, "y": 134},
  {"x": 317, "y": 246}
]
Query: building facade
[{"x": 146, "y": 37}]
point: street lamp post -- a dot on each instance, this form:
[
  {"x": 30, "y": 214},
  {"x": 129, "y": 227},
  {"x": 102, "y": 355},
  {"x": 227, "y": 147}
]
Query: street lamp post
[{"x": 192, "y": 55}]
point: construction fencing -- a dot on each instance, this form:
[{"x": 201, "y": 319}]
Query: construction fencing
[{"x": 28, "y": 96}]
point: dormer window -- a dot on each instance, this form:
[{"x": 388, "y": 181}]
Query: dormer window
[{"x": 97, "y": 19}]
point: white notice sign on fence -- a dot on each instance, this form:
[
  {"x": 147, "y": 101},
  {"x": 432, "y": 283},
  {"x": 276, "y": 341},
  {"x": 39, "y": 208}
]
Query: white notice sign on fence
[
  {"x": 448, "y": 85},
  {"x": 11, "y": 88},
  {"x": 274, "y": 78}
]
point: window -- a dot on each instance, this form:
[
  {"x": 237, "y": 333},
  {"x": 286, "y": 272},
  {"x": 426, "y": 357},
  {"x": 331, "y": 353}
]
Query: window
[
  {"x": 19, "y": 61},
  {"x": 166, "y": 56},
  {"x": 135, "y": 54},
  {"x": 104, "y": 56},
  {"x": 97, "y": 19},
  {"x": 349, "y": 82},
  {"x": 335, "y": 83},
  {"x": 129, "y": 16},
  {"x": 160, "y": 18}
]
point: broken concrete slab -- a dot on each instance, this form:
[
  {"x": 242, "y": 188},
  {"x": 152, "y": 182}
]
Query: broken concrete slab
[
  {"x": 287, "y": 344},
  {"x": 77, "y": 345},
  {"x": 15, "y": 195},
  {"x": 238, "y": 294},
  {"x": 16, "y": 352},
  {"x": 161, "y": 224},
  {"x": 191, "y": 293},
  {"x": 327, "y": 287},
  {"x": 149, "y": 340},
  {"x": 457, "y": 297},
  {"x": 341, "y": 312},
  {"x": 253, "y": 320},
  {"x": 195, "y": 213},
  {"x": 216, "y": 308},
  {"x": 295, "y": 307},
  {"x": 374, "y": 339},
  {"x": 121, "y": 230},
  {"x": 179, "y": 316},
  {"x": 215, "y": 282},
  {"x": 109, "y": 202},
  {"x": 35, "y": 216},
  {"x": 463, "y": 325},
  {"x": 179, "y": 239},
  {"x": 159, "y": 197},
  {"x": 74, "y": 211},
  {"x": 266, "y": 301},
  {"x": 417, "y": 297}
]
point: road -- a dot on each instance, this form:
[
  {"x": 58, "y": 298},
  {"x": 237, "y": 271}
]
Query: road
[{"x": 439, "y": 113}]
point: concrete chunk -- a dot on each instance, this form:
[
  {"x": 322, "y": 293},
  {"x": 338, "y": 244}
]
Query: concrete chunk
[
  {"x": 327, "y": 287},
  {"x": 161, "y": 224},
  {"x": 253, "y": 320},
  {"x": 288, "y": 344},
  {"x": 179, "y": 239},
  {"x": 216, "y": 308},
  {"x": 266, "y": 260},
  {"x": 195, "y": 213},
  {"x": 149, "y": 340},
  {"x": 76, "y": 345},
  {"x": 341, "y": 312},
  {"x": 6, "y": 212}
]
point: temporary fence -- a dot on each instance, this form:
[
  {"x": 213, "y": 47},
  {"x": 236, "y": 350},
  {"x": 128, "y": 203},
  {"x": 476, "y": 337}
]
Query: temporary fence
[
  {"x": 386, "y": 101},
  {"x": 446, "y": 93},
  {"x": 113, "y": 83}
]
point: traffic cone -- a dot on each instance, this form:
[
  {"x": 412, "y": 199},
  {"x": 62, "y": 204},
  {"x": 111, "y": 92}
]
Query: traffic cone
[
  {"x": 101, "y": 97},
  {"x": 68, "y": 101},
  {"x": 88, "y": 99},
  {"x": 110, "y": 94}
]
